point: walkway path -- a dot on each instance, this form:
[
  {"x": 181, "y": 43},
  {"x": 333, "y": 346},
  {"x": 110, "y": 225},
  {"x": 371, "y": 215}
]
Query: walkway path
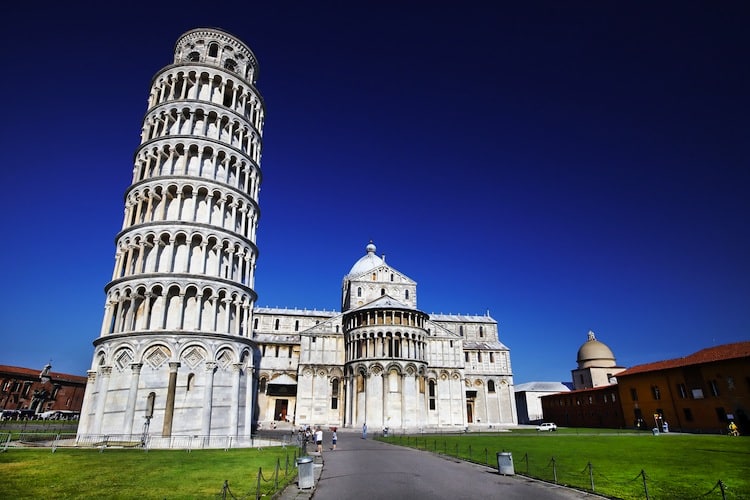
[{"x": 374, "y": 470}]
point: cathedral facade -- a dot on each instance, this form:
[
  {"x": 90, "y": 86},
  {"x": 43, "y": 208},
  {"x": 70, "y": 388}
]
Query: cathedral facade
[
  {"x": 183, "y": 349},
  {"x": 381, "y": 360}
]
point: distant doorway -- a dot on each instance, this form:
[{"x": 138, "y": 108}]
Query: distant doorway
[
  {"x": 469, "y": 412},
  {"x": 279, "y": 412}
]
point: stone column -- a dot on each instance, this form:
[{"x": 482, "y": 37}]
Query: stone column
[
  {"x": 127, "y": 424},
  {"x": 208, "y": 394},
  {"x": 235, "y": 402},
  {"x": 101, "y": 402},
  {"x": 169, "y": 409}
]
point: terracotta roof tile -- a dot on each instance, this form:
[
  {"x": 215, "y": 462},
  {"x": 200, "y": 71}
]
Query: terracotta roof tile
[{"x": 708, "y": 355}]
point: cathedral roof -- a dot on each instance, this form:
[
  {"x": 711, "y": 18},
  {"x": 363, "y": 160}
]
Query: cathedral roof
[
  {"x": 369, "y": 261},
  {"x": 541, "y": 387},
  {"x": 595, "y": 354},
  {"x": 384, "y": 302}
]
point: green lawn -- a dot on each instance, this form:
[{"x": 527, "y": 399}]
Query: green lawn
[
  {"x": 676, "y": 466},
  {"x": 126, "y": 474}
]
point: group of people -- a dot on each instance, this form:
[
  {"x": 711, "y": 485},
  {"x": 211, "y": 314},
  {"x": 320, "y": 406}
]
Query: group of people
[{"x": 307, "y": 435}]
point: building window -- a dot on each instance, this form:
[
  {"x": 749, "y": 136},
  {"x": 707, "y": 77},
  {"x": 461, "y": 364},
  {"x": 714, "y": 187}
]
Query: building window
[
  {"x": 406, "y": 294},
  {"x": 213, "y": 50},
  {"x": 730, "y": 383},
  {"x": 150, "y": 400},
  {"x": 276, "y": 324},
  {"x": 262, "y": 385},
  {"x": 466, "y": 357},
  {"x": 432, "y": 394},
  {"x": 359, "y": 291},
  {"x": 296, "y": 326},
  {"x": 190, "y": 381},
  {"x": 481, "y": 331},
  {"x": 461, "y": 330},
  {"x": 374, "y": 276},
  {"x": 382, "y": 291},
  {"x": 682, "y": 391},
  {"x": 492, "y": 357},
  {"x": 491, "y": 386},
  {"x": 688, "y": 414},
  {"x": 714, "y": 388},
  {"x": 277, "y": 352},
  {"x": 391, "y": 276},
  {"x": 633, "y": 394},
  {"x": 335, "y": 394},
  {"x": 721, "y": 414},
  {"x": 290, "y": 352},
  {"x": 255, "y": 324},
  {"x": 479, "y": 357},
  {"x": 655, "y": 392}
]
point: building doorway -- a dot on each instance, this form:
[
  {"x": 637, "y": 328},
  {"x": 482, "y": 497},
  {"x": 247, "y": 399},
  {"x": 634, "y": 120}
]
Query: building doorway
[
  {"x": 469, "y": 412},
  {"x": 280, "y": 410}
]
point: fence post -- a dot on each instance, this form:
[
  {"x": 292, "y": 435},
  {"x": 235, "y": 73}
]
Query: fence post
[
  {"x": 591, "y": 475},
  {"x": 224, "y": 490},
  {"x": 554, "y": 469},
  {"x": 526, "y": 458},
  {"x": 721, "y": 487},
  {"x": 486, "y": 460},
  {"x": 469, "y": 453},
  {"x": 276, "y": 475},
  {"x": 645, "y": 486},
  {"x": 257, "y": 485},
  {"x": 456, "y": 450}
]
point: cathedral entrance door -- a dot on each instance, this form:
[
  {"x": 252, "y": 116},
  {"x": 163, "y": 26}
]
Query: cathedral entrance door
[
  {"x": 469, "y": 412},
  {"x": 279, "y": 412}
]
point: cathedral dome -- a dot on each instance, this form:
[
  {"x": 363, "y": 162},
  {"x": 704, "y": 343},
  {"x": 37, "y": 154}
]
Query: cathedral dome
[
  {"x": 595, "y": 354},
  {"x": 369, "y": 261}
]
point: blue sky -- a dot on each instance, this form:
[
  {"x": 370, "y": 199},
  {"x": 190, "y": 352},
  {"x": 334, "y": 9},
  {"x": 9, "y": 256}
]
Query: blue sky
[{"x": 565, "y": 165}]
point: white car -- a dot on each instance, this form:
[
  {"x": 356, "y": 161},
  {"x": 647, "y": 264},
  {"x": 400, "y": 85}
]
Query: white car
[{"x": 547, "y": 426}]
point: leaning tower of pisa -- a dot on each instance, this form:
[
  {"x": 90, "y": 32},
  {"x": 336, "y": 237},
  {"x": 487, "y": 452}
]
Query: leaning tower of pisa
[{"x": 174, "y": 355}]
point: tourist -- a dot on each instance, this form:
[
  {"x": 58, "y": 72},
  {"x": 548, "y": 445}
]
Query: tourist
[
  {"x": 333, "y": 439},
  {"x": 319, "y": 439},
  {"x": 364, "y": 430}
]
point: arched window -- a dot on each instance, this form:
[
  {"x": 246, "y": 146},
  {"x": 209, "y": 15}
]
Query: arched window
[
  {"x": 431, "y": 394},
  {"x": 359, "y": 291},
  {"x": 491, "y": 386},
  {"x": 276, "y": 324},
  {"x": 296, "y": 326},
  {"x": 255, "y": 324},
  {"x": 150, "y": 401},
  {"x": 391, "y": 276},
  {"x": 190, "y": 381},
  {"x": 406, "y": 294},
  {"x": 230, "y": 65},
  {"x": 461, "y": 330},
  {"x": 262, "y": 385},
  {"x": 213, "y": 50},
  {"x": 334, "y": 394},
  {"x": 193, "y": 57},
  {"x": 481, "y": 331},
  {"x": 382, "y": 291}
]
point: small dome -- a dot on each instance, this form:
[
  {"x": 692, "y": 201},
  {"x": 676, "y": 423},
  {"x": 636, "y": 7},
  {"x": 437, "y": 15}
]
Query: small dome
[
  {"x": 369, "y": 261},
  {"x": 595, "y": 354}
]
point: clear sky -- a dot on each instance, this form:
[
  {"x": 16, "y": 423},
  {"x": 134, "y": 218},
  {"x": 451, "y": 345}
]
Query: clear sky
[{"x": 567, "y": 166}]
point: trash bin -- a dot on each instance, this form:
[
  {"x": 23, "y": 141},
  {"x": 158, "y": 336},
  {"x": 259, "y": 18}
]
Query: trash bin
[
  {"x": 505, "y": 463},
  {"x": 655, "y": 431},
  {"x": 306, "y": 478}
]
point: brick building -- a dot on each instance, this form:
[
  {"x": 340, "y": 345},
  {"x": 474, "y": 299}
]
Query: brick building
[
  {"x": 700, "y": 392},
  {"x": 33, "y": 392}
]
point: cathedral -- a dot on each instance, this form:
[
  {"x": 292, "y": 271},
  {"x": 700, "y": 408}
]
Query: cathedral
[{"x": 184, "y": 350}]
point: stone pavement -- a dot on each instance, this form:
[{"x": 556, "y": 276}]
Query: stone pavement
[{"x": 375, "y": 470}]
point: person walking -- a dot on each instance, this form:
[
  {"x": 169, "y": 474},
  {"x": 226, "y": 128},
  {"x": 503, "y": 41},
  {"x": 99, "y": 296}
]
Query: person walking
[
  {"x": 333, "y": 440},
  {"x": 319, "y": 439},
  {"x": 364, "y": 430}
]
